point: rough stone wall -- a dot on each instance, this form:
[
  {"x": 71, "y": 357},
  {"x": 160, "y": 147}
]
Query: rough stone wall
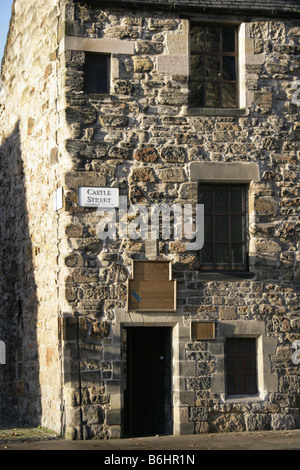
[
  {"x": 142, "y": 139},
  {"x": 30, "y": 170}
]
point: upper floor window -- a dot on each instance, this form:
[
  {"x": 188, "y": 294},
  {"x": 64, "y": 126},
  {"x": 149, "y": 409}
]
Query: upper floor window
[
  {"x": 225, "y": 227},
  {"x": 96, "y": 73},
  {"x": 213, "y": 67}
]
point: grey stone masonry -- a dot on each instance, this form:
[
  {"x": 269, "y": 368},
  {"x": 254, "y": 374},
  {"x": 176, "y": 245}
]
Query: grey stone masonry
[{"x": 63, "y": 304}]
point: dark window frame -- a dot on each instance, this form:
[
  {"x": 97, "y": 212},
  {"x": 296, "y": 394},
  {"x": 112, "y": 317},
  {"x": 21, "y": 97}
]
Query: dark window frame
[
  {"x": 215, "y": 266},
  {"x": 90, "y": 86},
  {"x": 241, "y": 366},
  {"x": 209, "y": 53}
]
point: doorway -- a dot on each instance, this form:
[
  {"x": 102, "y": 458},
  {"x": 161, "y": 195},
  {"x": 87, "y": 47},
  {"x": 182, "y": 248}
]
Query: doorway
[{"x": 147, "y": 376}]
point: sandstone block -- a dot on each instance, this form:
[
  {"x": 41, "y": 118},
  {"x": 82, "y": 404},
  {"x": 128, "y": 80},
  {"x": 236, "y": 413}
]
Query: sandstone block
[
  {"x": 149, "y": 47},
  {"x": 173, "y": 154},
  {"x": 228, "y": 422},
  {"x": 258, "y": 422},
  {"x": 157, "y": 24},
  {"x": 123, "y": 87},
  {"x": 73, "y": 326},
  {"x": 198, "y": 383},
  {"x": 122, "y": 153},
  {"x": 142, "y": 174},
  {"x": 146, "y": 154},
  {"x": 173, "y": 64},
  {"x": 100, "y": 330},
  {"x": 114, "y": 121},
  {"x": 142, "y": 65},
  {"x": 265, "y": 205},
  {"x": 228, "y": 313},
  {"x": 189, "y": 191},
  {"x": 74, "y": 180},
  {"x": 70, "y": 293},
  {"x": 30, "y": 126},
  {"x": 263, "y": 99},
  {"x": 173, "y": 97},
  {"x": 74, "y": 231},
  {"x": 172, "y": 175},
  {"x": 74, "y": 260},
  {"x": 85, "y": 149},
  {"x": 177, "y": 44},
  {"x": 81, "y": 115},
  {"x": 198, "y": 414},
  {"x": 280, "y": 421}
]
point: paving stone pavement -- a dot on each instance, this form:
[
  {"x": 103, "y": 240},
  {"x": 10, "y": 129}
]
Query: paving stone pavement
[{"x": 14, "y": 436}]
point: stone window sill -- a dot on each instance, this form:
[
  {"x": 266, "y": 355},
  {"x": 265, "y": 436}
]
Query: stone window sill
[
  {"x": 234, "y": 112},
  {"x": 242, "y": 398},
  {"x": 98, "y": 96},
  {"x": 224, "y": 276}
]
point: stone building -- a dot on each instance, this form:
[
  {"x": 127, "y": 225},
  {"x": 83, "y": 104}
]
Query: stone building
[{"x": 182, "y": 103}]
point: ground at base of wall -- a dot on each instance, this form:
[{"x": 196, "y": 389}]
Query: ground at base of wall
[
  {"x": 15, "y": 436},
  {"x": 12, "y": 431}
]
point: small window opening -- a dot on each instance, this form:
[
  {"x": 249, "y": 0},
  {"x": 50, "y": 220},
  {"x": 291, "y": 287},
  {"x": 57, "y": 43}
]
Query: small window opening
[
  {"x": 225, "y": 227},
  {"x": 96, "y": 73},
  {"x": 241, "y": 369},
  {"x": 214, "y": 67}
]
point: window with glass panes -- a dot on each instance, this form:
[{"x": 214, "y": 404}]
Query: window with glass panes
[
  {"x": 213, "y": 66},
  {"x": 225, "y": 234},
  {"x": 96, "y": 73},
  {"x": 241, "y": 376}
]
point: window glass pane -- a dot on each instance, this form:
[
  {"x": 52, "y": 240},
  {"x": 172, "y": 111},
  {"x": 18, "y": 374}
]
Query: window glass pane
[
  {"x": 224, "y": 229},
  {"x": 237, "y": 254},
  {"x": 236, "y": 199},
  {"x": 207, "y": 254},
  {"x": 197, "y": 39},
  {"x": 239, "y": 365},
  {"x": 229, "y": 347},
  {"x": 230, "y": 384},
  {"x": 213, "y": 64},
  {"x": 230, "y": 363},
  {"x": 239, "y": 384},
  {"x": 249, "y": 364},
  {"x": 206, "y": 199},
  {"x": 229, "y": 95},
  {"x": 250, "y": 347},
  {"x": 239, "y": 346},
  {"x": 197, "y": 94},
  {"x": 208, "y": 228},
  {"x": 237, "y": 228},
  {"x": 212, "y": 39},
  {"x": 197, "y": 67},
  {"x": 228, "y": 39},
  {"x": 221, "y": 224},
  {"x": 221, "y": 199},
  {"x": 213, "y": 95},
  {"x": 210, "y": 46},
  {"x": 229, "y": 72},
  {"x": 222, "y": 253},
  {"x": 251, "y": 384},
  {"x": 96, "y": 73}
]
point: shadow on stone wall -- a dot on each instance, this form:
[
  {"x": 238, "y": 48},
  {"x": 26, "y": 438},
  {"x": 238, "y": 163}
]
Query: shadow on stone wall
[{"x": 19, "y": 384}]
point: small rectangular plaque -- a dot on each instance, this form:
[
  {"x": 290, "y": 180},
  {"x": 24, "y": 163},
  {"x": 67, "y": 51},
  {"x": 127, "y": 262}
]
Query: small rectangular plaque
[
  {"x": 151, "y": 287},
  {"x": 203, "y": 330},
  {"x": 98, "y": 197}
]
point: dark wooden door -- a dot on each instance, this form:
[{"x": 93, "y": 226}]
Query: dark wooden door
[{"x": 148, "y": 391}]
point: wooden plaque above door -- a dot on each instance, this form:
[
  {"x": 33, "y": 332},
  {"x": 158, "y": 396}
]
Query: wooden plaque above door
[{"x": 151, "y": 287}]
